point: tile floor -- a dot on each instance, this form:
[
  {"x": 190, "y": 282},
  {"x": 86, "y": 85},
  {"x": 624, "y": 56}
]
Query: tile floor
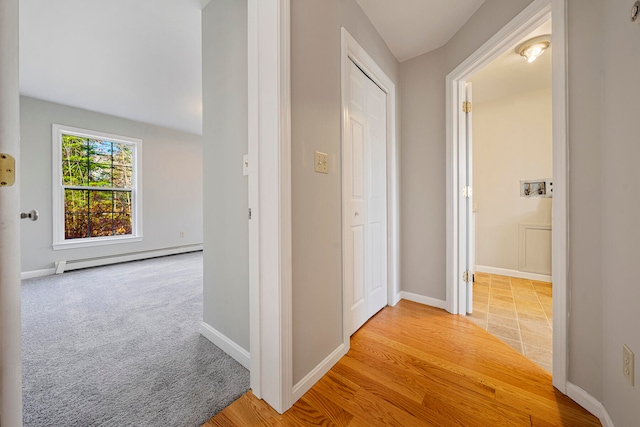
[{"x": 518, "y": 311}]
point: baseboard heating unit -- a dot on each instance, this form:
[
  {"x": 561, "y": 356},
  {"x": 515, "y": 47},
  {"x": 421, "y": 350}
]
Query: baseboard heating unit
[{"x": 76, "y": 264}]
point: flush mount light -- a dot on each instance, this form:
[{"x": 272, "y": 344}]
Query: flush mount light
[{"x": 533, "y": 48}]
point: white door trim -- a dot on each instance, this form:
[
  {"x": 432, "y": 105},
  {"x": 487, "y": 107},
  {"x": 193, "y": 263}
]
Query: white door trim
[
  {"x": 560, "y": 212},
  {"x": 10, "y": 330},
  {"x": 352, "y": 51},
  {"x": 535, "y": 14},
  {"x": 269, "y": 143}
]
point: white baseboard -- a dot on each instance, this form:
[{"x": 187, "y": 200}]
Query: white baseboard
[
  {"x": 318, "y": 372},
  {"x": 589, "y": 403},
  {"x": 221, "y": 341},
  {"x": 37, "y": 273},
  {"x": 513, "y": 273},
  {"x": 433, "y": 302}
]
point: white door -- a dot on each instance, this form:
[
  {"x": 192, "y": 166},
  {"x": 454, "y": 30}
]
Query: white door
[
  {"x": 471, "y": 232},
  {"x": 365, "y": 175},
  {"x": 466, "y": 253},
  {"x": 10, "y": 339}
]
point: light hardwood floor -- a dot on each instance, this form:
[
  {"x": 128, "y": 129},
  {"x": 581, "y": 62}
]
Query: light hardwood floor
[{"x": 413, "y": 365}]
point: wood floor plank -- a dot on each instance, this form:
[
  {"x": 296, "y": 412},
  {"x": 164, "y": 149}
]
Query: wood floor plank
[
  {"x": 438, "y": 387},
  {"x": 245, "y": 411},
  {"x": 489, "y": 369},
  {"x": 468, "y": 412},
  {"x": 434, "y": 367},
  {"x": 413, "y": 365},
  {"x": 382, "y": 400},
  {"x": 401, "y": 379},
  {"x": 451, "y": 388},
  {"x": 307, "y": 414},
  {"x": 325, "y": 405},
  {"x": 502, "y": 364}
]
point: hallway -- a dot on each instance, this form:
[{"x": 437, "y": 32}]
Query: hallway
[{"x": 415, "y": 365}]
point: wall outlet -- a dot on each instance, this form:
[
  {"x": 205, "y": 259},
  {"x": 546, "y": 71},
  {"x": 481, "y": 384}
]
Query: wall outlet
[
  {"x": 181, "y": 234},
  {"x": 627, "y": 363}
]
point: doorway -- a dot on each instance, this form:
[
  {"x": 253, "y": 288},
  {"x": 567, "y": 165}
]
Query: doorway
[
  {"x": 458, "y": 210},
  {"x": 511, "y": 169}
]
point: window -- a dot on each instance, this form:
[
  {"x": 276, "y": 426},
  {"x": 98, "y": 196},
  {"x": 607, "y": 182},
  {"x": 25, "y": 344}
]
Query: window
[{"x": 96, "y": 199}]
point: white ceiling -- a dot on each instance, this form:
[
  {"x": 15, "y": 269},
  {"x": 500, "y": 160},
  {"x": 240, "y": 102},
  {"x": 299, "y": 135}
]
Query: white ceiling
[
  {"x": 413, "y": 27},
  {"x": 511, "y": 74},
  {"x": 139, "y": 59}
]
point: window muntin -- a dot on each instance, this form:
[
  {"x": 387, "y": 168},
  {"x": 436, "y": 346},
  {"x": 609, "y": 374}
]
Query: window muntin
[{"x": 96, "y": 187}]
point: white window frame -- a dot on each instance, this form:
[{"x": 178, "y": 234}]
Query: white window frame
[{"x": 59, "y": 242}]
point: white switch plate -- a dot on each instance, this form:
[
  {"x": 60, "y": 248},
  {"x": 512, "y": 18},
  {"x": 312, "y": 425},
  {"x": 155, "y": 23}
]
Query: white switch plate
[
  {"x": 321, "y": 162},
  {"x": 245, "y": 165}
]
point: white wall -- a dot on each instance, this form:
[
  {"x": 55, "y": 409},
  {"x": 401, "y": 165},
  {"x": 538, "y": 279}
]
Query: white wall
[
  {"x": 512, "y": 141},
  {"x": 316, "y": 198},
  {"x": 172, "y": 182},
  {"x": 422, "y": 163},
  {"x": 316, "y": 204},
  {"x": 422, "y": 175},
  {"x": 603, "y": 63},
  {"x": 585, "y": 339},
  {"x": 619, "y": 151},
  {"x": 226, "y": 228},
  {"x": 135, "y": 59}
]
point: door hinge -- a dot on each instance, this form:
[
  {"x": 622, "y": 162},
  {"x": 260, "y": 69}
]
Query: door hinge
[
  {"x": 467, "y": 191},
  {"x": 7, "y": 170},
  {"x": 468, "y": 276},
  {"x": 249, "y": 213},
  {"x": 466, "y": 106}
]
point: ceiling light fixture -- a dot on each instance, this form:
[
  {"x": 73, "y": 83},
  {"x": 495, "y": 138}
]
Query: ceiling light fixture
[{"x": 533, "y": 48}]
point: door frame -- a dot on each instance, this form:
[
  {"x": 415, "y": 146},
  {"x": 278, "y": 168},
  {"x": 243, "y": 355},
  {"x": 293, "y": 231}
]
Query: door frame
[
  {"x": 530, "y": 18},
  {"x": 269, "y": 146},
  {"x": 352, "y": 51}
]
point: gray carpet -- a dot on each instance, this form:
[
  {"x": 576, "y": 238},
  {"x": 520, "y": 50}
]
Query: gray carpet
[{"x": 119, "y": 346}]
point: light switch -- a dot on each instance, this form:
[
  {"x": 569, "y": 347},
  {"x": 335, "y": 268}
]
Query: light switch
[{"x": 321, "y": 162}]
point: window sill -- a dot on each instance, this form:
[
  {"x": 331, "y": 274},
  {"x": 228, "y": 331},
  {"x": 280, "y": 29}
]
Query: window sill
[{"x": 96, "y": 241}]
